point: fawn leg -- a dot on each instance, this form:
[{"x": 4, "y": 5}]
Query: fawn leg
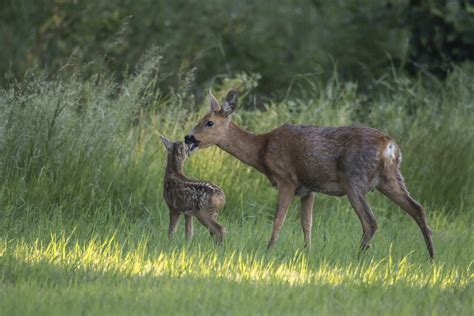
[
  {"x": 215, "y": 229},
  {"x": 189, "y": 226},
  {"x": 174, "y": 219}
]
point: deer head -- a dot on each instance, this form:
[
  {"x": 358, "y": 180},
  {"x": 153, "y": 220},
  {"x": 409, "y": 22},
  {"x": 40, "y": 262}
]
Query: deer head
[
  {"x": 178, "y": 152},
  {"x": 213, "y": 127}
]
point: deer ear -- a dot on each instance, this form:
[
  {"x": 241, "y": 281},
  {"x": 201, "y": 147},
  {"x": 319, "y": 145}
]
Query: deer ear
[
  {"x": 230, "y": 103},
  {"x": 168, "y": 143},
  {"x": 214, "y": 104}
]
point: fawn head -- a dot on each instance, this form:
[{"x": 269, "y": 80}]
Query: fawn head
[
  {"x": 212, "y": 128},
  {"x": 178, "y": 152}
]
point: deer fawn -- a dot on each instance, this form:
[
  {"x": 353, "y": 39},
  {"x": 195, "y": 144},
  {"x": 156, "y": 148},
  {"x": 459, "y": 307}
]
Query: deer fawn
[
  {"x": 300, "y": 160},
  {"x": 193, "y": 198}
]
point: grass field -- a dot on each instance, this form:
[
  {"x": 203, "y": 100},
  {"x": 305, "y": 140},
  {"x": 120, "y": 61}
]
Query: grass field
[
  {"x": 117, "y": 265},
  {"x": 83, "y": 224}
]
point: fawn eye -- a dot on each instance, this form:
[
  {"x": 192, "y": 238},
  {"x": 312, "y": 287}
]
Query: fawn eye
[{"x": 209, "y": 123}]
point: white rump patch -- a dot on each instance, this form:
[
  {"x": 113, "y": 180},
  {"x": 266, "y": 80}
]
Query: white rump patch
[{"x": 389, "y": 152}]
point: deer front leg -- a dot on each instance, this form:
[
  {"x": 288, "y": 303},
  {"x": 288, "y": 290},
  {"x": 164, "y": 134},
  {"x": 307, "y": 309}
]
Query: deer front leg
[
  {"x": 189, "y": 226},
  {"x": 307, "y": 203},
  {"x": 285, "y": 195}
]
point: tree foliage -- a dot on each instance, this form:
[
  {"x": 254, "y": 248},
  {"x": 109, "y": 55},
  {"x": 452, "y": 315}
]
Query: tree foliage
[
  {"x": 442, "y": 34},
  {"x": 221, "y": 38}
]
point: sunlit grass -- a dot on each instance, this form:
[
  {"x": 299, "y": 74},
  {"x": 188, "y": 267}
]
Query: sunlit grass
[
  {"x": 142, "y": 258},
  {"x": 109, "y": 256},
  {"x": 126, "y": 266}
]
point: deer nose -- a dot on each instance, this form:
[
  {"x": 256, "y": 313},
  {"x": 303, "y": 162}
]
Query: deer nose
[{"x": 189, "y": 139}]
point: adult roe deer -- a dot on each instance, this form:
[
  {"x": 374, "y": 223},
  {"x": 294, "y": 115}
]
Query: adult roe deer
[{"x": 300, "y": 160}]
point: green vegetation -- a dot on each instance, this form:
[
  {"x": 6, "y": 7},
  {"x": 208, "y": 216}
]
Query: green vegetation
[
  {"x": 83, "y": 223},
  {"x": 124, "y": 265},
  {"x": 222, "y": 38},
  {"x": 82, "y": 219},
  {"x": 441, "y": 34}
]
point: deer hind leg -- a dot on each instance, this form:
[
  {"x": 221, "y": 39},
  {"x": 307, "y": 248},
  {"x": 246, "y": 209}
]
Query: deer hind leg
[
  {"x": 285, "y": 195},
  {"x": 216, "y": 230},
  {"x": 394, "y": 188},
  {"x": 307, "y": 203},
  {"x": 174, "y": 219},
  {"x": 366, "y": 217},
  {"x": 189, "y": 226}
]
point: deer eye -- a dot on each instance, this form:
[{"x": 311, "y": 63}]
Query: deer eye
[{"x": 209, "y": 123}]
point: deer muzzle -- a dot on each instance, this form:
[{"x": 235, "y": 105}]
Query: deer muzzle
[{"x": 191, "y": 142}]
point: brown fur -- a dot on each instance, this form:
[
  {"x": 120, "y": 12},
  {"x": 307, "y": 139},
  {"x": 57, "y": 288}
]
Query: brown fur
[
  {"x": 193, "y": 198},
  {"x": 300, "y": 160}
]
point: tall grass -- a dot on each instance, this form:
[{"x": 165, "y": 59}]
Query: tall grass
[{"x": 79, "y": 142}]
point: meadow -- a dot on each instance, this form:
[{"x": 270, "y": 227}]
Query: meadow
[{"x": 83, "y": 223}]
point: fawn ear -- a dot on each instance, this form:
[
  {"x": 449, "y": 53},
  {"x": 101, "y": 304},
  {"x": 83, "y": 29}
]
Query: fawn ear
[
  {"x": 214, "y": 104},
  {"x": 230, "y": 103},
  {"x": 168, "y": 143}
]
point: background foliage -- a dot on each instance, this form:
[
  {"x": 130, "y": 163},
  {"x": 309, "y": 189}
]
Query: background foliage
[
  {"x": 442, "y": 33},
  {"x": 222, "y": 38},
  {"x": 86, "y": 142}
]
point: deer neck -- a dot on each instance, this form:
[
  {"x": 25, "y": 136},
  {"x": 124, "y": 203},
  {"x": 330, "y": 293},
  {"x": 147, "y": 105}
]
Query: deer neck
[
  {"x": 245, "y": 146},
  {"x": 174, "y": 166}
]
